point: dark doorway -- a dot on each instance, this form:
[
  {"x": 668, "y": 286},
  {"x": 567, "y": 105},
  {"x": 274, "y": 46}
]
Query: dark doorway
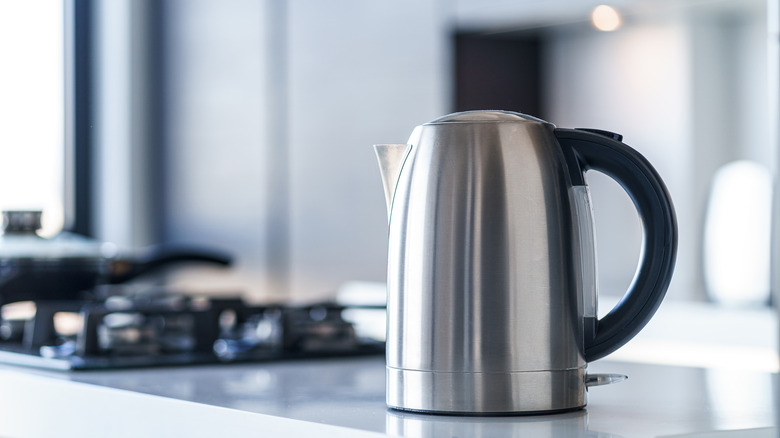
[{"x": 498, "y": 71}]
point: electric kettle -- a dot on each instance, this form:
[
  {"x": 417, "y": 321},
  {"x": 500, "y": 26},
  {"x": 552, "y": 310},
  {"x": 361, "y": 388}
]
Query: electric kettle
[{"x": 491, "y": 278}]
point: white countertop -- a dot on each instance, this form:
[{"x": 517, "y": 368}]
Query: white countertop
[{"x": 345, "y": 398}]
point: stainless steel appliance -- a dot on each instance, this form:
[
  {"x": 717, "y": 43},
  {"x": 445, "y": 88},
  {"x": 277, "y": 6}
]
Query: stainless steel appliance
[{"x": 491, "y": 263}]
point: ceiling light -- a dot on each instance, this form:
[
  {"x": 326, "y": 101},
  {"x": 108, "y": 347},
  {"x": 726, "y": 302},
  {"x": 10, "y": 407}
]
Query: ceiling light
[{"x": 605, "y": 18}]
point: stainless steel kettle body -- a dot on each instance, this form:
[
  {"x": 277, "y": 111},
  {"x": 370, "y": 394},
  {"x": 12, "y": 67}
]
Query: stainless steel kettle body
[{"x": 491, "y": 264}]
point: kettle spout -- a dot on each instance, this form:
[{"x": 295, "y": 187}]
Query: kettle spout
[{"x": 391, "y": 159}]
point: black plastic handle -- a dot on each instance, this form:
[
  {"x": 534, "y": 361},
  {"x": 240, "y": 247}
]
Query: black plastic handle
[
  {"x": 162, "y": 256},
  {"x": 604, "y": 152}
]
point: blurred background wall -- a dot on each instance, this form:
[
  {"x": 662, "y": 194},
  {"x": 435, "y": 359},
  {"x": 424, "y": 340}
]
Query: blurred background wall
[
  {"x": 271, "y": 111},
  {"x": 248, "y": 124}
]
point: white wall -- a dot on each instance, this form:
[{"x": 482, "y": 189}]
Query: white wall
[
  {"x": 269, "y": 99},
  {"x": 360, "y": 73},
  {"x": 121, "y": 150},
  {"x": 688, "y": 89},
  {"x": 273, "y": 108},
  {"x": 218, "y": 134},
  {"x": 634, "y": 82}
]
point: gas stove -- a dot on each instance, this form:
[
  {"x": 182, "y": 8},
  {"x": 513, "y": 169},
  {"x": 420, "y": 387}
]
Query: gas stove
[{"x": 165, "y": 328}]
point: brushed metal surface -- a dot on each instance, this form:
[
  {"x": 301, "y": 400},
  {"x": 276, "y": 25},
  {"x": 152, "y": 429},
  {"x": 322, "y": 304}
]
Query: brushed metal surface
[
  {"x": 486, "y": 393},
  {"x": 482, "y": 264}
]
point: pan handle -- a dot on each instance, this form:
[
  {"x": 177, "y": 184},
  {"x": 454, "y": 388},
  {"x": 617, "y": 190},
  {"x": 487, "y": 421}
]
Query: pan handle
[{"x": 163, "y": 256}]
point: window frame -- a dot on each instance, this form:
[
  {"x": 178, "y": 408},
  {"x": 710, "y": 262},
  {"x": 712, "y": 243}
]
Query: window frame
[{"x": 78, "y": 74}]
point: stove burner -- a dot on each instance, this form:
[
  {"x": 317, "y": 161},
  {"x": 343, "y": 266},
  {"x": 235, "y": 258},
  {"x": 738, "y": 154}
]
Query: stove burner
[{"x": 156, "y": 329}]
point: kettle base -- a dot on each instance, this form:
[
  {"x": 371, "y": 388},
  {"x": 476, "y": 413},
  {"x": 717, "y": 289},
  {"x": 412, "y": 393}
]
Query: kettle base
[
  {"x": 488, "y": 414},
  {"x": 488, "y": 394}
]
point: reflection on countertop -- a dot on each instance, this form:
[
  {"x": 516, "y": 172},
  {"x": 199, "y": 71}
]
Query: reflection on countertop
[
  {"x": 412, "y": 425},
  {"x": 346, "y": 397},
  {"x": 655, "y": 401}
]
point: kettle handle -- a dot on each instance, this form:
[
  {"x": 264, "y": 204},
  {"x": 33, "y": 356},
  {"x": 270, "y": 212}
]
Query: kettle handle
[{"x": 604, "y": 152}]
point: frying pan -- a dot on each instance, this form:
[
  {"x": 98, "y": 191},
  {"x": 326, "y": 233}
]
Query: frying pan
[{"x": 68, "y": 266}]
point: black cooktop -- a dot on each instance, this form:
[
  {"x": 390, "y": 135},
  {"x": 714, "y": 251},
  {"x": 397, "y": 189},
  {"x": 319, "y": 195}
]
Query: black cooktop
[{"x": 163, "y": 328}]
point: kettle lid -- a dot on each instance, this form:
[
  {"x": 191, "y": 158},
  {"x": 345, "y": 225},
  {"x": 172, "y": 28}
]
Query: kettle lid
[{"x": 493, "y": 116}]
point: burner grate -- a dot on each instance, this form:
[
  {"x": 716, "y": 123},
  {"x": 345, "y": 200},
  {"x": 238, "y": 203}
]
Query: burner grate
[{"x": 173, "y": 329}]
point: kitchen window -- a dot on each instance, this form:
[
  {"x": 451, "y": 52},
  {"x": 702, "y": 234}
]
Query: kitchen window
[
  {"x": 46, "y": 111},
  {"x": 32, "y": 109}
]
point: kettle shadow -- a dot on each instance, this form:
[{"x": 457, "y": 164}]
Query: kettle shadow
[{"x": 419, "y": 425}]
